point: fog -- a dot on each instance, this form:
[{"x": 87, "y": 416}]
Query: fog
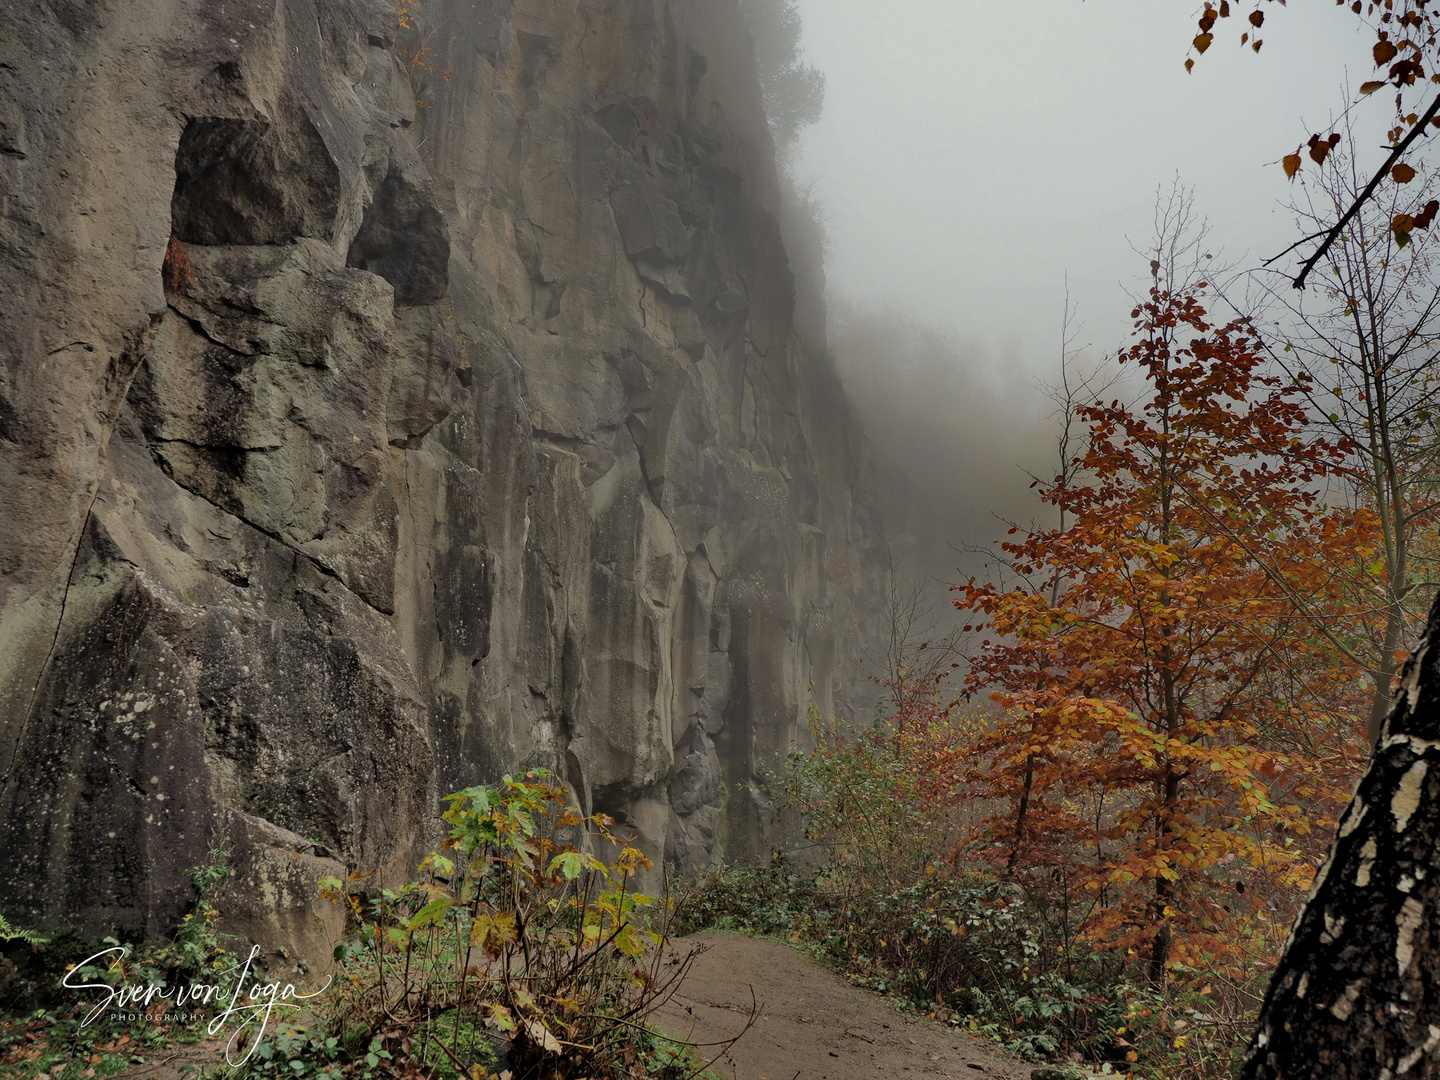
[
  {"x": 973, "y": 159},
  {"x": 957, "y": 437}
]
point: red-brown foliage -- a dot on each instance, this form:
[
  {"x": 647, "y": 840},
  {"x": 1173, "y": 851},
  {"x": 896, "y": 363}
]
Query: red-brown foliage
[{"x": 1179, "y": 708}]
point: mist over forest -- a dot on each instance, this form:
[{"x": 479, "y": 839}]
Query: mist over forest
[
  {"x": 957, "y": 428},
  {"x": 962, "y": 413},
  {"x": 959, "y": 425},
  {"x": 958, "y": 434},
  {"x": 1252, "y": 336}
]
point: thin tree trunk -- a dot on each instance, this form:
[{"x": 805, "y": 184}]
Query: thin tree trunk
[
  {"x": 1380, "y": 704},
  {"x": 1356, "y": 995},
  {"x": 1164, "y": 887},
  {"x": 1020, "y": 812}
]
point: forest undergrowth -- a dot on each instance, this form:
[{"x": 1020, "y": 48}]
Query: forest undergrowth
[
  {"x": 521, "y": 951},
  {"x": 899, "y": 911},
  {"x": 1088, "y": 836}
]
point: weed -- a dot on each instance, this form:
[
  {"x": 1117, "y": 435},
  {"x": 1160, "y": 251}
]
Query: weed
[{"x": 516, "y": 946}]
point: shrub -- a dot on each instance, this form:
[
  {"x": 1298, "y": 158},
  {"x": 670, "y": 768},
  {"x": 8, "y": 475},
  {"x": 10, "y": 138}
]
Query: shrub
[
  {"x": 515, "y": 935},
  {"x": 911, "y": 903}
]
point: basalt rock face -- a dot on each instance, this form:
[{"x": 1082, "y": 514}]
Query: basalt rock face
[{"x": 464, "y": 428}]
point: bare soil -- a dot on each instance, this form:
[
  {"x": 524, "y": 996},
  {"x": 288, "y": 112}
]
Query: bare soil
[{"x": 813, "y": 1025}]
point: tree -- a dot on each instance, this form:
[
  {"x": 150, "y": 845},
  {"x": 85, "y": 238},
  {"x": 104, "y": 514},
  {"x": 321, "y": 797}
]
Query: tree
[
  {"x": 915, "y": 656},
  {"x": 882, "y": 797},
  {"x": 1357, "y": 993},
  {"x": 1067, "y": 395},
  {"x": 794, "y": 91},
  {"x": 1406, "y": 51},
  {"x": 1163, "y": 682},
  {"x": 1371, "y": 350}
]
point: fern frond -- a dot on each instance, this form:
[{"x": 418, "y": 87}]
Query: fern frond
[{"x": 14, "y": 933}]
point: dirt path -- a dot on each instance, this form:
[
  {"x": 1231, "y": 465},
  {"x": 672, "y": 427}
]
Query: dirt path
[{"x": 814, "y": 1025}]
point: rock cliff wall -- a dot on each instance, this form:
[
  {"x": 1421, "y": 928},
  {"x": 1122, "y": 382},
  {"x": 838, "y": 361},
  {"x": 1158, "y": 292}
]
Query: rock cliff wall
[{"x": 371, "y": 428}]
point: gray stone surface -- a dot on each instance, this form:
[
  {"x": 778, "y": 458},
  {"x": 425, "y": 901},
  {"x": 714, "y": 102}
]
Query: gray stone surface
[{"x": 480, "y": 438}]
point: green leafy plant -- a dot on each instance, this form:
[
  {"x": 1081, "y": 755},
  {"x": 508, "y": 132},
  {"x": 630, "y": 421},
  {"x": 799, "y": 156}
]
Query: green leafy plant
[
  {"x": 515, "y": 940},
  {"x": 49, "y": 1031},
  {"x": 467, "y": 1039},
  {"x": 15, "y": 933}
]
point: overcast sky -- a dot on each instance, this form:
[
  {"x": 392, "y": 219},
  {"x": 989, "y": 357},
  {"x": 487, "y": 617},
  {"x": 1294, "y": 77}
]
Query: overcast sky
[{"x": 972, "y": 153}]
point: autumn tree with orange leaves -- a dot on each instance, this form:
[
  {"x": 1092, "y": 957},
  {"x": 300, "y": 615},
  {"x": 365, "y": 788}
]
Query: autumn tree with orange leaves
[{"x": 1170, "y": 691}]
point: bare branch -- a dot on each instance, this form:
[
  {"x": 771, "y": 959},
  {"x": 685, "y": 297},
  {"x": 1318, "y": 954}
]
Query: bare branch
[{"x": 1339, "y": 227}]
